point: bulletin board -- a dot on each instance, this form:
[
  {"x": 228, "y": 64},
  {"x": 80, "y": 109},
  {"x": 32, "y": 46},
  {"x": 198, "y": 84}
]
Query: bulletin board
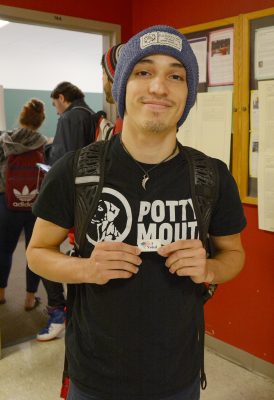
[
  {"x": 245, "y": 84},
  {"x": 252, "y": 23}
]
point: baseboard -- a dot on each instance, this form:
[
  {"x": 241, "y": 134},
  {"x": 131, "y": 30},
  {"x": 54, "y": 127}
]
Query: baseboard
[{"x": 240, "y": 357}]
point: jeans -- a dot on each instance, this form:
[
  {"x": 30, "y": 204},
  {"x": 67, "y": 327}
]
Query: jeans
[
  {"x": 192, "y": 392},
  {"x": 55, "y": 293},
  {"x": 12, "y": 223}
]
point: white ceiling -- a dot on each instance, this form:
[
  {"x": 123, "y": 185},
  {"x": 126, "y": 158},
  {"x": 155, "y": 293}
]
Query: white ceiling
[{"x": 36, "y": 57}]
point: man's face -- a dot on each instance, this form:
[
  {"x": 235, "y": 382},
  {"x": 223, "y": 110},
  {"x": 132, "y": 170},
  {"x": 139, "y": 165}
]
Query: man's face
[
  {"x": 156, "y": 93},
  {"x": 107, "y": 86},
  {"x": 60, "y": 104}
]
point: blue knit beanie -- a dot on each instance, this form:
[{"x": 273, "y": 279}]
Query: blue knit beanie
[{"x": 158, "y": 39}]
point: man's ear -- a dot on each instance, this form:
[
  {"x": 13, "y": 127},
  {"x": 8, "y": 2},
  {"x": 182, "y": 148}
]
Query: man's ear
[{"x": 61, "y": 98}]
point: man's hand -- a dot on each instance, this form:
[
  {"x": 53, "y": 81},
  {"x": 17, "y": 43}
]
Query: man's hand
[
  {"x": 50, "y": 140},
  {"x": 186, "y": 258},
  {"x": 111, "y": 260}
]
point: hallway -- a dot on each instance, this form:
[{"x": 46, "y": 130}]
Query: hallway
[{"x": 33, "y": 371}]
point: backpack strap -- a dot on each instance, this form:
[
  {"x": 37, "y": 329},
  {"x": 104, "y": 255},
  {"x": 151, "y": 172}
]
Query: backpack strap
[
  {"x": 204, "y": 182},
  {"x": 101, "y": 133},
  {"x": 89, "y": 173},
  {"x": 204, "y": 185}
]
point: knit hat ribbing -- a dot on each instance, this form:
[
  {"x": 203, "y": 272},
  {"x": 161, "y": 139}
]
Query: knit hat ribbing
[
  {"x": 158, "y": 39},
  {"x": 109, "y": 60}
]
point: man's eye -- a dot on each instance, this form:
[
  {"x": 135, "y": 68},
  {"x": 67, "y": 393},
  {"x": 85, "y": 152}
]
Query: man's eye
[
  {"x": 142, "y": 73},
  {"x": 177, "y": 77}
]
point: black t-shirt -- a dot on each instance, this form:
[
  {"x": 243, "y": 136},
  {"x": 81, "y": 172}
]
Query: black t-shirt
[{"x": 137, "y": 338}]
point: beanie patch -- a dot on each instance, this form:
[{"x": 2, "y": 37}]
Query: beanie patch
[{"x": 161, "y": 38}]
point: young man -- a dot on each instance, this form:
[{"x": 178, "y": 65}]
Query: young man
[{"x": 133, "y": 332}]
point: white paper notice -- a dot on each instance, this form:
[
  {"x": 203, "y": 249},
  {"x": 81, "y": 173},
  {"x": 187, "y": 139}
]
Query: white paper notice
[
  {"x": 214, "y": 118},
  {"x": 264, "y": 53},
  {"x": 253, "y": 155},
  {"x": 187, "y": 132},
  {"x": 220, "y": 57},
  {"x": 266, "y": 157},
  {"x": 2, "y": 110},
  {"x": 199, "y": 47}
]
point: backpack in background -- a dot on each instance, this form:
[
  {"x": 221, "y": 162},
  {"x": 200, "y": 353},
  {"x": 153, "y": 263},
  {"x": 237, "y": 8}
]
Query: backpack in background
[
  {"x": 104, "y": 129},
  {"x": 23, "y": 179}
]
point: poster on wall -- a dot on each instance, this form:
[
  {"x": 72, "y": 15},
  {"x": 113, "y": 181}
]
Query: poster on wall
[
  {"x": 187, "y": 132},
  {"x": 220, "y": 57},
  {"x": 264, "y": 53},
  {"x": 199, "y": 47},
  {"x": 266, "y": 157},
  {"x": 2, "y": 110},
  {"x": 213, "y": 124}
]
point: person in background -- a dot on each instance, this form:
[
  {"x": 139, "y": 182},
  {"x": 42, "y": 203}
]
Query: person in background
[
  {"x": 12, "y": 222},
  {"x": 135, "y": 332},
  {"x": 76, "y": 127},
  {"x": 108, "y": 63}
]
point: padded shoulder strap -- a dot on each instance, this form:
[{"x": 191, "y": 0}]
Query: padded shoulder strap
[
  {"x": 89, "y": 170},
  {"x": 204, "y": 180}
]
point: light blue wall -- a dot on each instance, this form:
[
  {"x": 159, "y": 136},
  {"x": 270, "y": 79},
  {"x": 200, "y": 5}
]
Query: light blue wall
[{"x": 14, "y": 100}]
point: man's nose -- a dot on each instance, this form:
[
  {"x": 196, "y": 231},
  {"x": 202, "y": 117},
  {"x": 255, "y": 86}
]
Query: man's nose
[{"x": 158, "y": 85}]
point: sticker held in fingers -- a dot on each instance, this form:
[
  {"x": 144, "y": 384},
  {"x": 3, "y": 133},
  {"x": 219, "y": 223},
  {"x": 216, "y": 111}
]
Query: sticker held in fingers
[{"x": 149, "y": 245}]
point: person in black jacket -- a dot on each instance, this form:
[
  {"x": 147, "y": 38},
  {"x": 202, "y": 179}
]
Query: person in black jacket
[{"x": 76, "y": 127}]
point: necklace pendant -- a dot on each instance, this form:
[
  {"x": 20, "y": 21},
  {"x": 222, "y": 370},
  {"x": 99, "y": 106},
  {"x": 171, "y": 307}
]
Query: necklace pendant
[{"x": 144, "y": 181}]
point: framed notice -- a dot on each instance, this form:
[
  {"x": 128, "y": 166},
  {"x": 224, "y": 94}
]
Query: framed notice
[{"x": 220, "y": 57}]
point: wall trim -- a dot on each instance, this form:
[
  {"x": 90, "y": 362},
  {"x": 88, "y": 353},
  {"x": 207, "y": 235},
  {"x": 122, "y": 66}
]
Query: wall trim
[{"x": 240, "y": 357}]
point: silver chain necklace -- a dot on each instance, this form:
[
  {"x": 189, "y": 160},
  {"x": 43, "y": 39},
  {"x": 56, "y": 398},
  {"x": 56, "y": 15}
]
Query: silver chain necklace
[{"x": 146, "y": 176}]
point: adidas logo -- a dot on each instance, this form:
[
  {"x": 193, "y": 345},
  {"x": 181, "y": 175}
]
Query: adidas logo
[{"x": 26, "y": 195}]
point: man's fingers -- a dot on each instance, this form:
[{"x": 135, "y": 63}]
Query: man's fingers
[
  {"x": 187, "y": 257},
  {"x": 103, "y": 256},
  {"x": 118, "y": 246},
  {"x": 168, "y": 249}
]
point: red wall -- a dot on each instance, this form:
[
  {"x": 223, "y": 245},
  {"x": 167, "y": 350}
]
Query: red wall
[
  {"x": 241, "y": 314},
  {"x": 185, "y": 13}
]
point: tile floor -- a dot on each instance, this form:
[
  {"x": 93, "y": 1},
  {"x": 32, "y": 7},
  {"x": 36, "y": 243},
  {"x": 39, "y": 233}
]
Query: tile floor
[{"x": 33, "y": 370}]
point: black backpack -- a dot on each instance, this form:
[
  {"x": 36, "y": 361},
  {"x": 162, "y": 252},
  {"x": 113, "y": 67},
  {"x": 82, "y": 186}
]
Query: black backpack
[{"x": 89, "y": 173}]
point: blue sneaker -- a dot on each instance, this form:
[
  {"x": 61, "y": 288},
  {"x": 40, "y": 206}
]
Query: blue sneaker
[{"x": 55, "y": 325}]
